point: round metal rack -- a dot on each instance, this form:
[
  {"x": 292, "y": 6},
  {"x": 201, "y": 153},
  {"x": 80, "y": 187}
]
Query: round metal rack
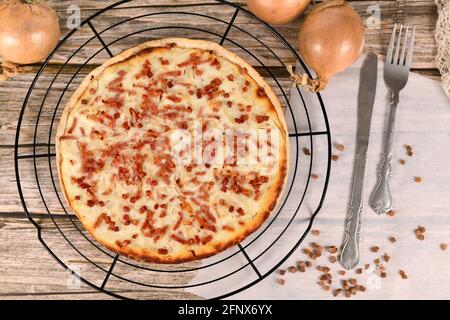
[{"x": 101, "y": 36}]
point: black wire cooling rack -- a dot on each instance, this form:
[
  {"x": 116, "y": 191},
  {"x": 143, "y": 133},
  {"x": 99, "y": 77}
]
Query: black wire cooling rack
[{"x": 101, "y": 36}]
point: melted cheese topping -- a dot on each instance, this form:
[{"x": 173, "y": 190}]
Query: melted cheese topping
[{"x": 123, "y": 178}]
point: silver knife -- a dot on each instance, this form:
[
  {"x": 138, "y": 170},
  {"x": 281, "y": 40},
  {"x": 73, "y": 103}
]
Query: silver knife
[{"x": 366, "y": 96}]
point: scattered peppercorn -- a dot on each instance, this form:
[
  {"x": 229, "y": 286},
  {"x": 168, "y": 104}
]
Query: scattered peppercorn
[
  {"x": 335, "y": 157},
  {"x": 420, "y": 233},
  {"x": 301, "y": 265},
  {"x": 292, "y": 269},
  {"x": 336, "y": 292},
  {"x": 402, "y": 162},
  {"x": 417, "y": 179},
  {"x": 340, "y": 147},
  {"x": 403, "y": 274},
  {"x": 409, "y": 150},
  {"x": 390, "y": 213},
  {"x": 375, "y": 249},
  {"x": 332, "y": 249},
  {"x": 306, "y": 152},
  {"x": 443, "y": 246}
]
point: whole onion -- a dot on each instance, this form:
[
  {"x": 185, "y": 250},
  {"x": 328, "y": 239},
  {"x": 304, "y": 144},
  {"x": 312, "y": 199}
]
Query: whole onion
[
  {"x": 278, "y": 11},
  {"x": 29, "y": 30},
  {"x": 331, "y": 39}
]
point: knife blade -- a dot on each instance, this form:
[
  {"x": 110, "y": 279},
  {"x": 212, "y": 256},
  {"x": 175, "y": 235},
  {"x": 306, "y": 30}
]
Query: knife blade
[{"x": 366, "y": 96}]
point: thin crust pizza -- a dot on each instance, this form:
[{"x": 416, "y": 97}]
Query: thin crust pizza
[{"x": 172, "y": 151}]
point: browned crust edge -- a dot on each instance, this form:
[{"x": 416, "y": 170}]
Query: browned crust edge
[{"x": 256, "y": 222}]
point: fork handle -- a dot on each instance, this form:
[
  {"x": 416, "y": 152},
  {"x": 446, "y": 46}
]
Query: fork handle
[{"x": 381, "y": 198}]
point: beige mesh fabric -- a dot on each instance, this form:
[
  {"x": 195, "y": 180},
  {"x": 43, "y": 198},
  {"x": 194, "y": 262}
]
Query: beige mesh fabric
[{"x": 443, "y": 42}]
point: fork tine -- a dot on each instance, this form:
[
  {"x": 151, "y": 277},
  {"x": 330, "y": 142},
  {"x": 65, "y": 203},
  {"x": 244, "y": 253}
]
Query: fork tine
[
  {"x": 397, "y": 48},
  {"x": 405, "y": 38},
  {"x": 410, "y": 49},
  {"x": 391, "y": 45}
]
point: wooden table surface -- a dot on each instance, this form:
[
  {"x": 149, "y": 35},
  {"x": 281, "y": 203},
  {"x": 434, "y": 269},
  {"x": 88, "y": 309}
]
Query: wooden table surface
[{"x": 26, "y": 269}]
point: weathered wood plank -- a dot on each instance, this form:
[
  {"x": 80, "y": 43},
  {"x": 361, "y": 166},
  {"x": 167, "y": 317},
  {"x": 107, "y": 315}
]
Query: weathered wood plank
[
  {"x": 40, "y": 276},
  {"x": 422, "y": 14}
]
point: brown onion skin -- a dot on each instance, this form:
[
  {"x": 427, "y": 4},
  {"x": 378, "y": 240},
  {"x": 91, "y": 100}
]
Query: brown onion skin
[
  {"x": 331, "y": 39},
  {"x": 28, "y": 32},
  {"x": 278, "y": 11}
]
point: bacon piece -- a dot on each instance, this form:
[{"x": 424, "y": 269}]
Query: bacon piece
[
  {"x": 228, "y": 228},
  {"x": 242, "y": 119},
  {"x": 146, "y": 71},
  {"x": 143, "y": 209},
  {"x": 122, "y": 244},
  {"x": 126, "y": 218},
  {"x": 180, "y": 219},
  {"x": 116, "y": 85},
  {"x": 155, "y": 233},
  {"x": 149, "y": 106},
  {"x": 107, "y": 219},
  {"x": 178, "y": 239},
  {"x": 216, "y": 64},
  {"x": 207, "y": 239},
  {"x": 163, "y": 251},
  {"x": 113, "y": 102},
  {"x": 99, "y": 220},
  {"x": 194, "y": 60},
  {"x": 126, "y": 126},
  {"x": 89, "y": 163},
  {"x": 172, "y": 74},
  {"x": 261, "y": 93},
  {"x": 134, "y": 115},
  {"x": 68, "y": 137},
  {"x": 261, "y": 118},
  {"x": 174, "y": 98}
]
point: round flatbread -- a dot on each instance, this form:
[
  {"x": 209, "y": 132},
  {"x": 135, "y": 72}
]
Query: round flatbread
[{"x": 172, "y": 151}]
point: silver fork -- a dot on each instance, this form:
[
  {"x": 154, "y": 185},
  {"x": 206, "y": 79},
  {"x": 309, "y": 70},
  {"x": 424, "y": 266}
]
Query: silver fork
[{"x": 396, "y": 72}]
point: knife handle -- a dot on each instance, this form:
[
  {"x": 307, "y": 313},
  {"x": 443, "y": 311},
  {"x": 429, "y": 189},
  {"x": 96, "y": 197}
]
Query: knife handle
[
  {"x": 381, "y": 198},
  {"x": 349, "y": 257},
  {"x": 350, "y": 250}
]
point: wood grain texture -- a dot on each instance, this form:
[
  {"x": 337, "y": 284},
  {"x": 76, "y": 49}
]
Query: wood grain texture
[
  {"x": 40, "y": 276},
  {"x": 27, "y": 271}
]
